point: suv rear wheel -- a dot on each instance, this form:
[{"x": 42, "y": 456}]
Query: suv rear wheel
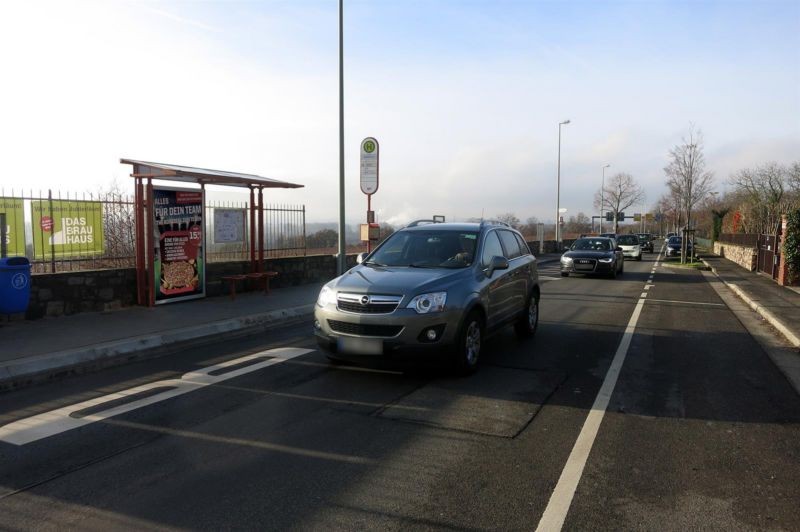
[{"x": 468, "y": 344}]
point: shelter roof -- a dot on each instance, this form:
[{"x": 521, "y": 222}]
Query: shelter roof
[{"x": 174, "y": 172}]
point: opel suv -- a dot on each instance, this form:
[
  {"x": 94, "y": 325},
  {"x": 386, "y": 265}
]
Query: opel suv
[{"x": 431, "y": 289}]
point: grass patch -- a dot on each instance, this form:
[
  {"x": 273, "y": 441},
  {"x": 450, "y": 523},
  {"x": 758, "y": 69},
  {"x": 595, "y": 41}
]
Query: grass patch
[{"x": 676, "y": 263}]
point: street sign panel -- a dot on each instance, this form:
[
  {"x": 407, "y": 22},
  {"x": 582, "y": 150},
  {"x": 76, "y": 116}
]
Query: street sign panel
[{"x": 369, "y": 166}]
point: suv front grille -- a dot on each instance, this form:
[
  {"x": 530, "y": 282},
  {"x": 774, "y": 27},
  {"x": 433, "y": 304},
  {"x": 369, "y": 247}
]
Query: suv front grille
[
  {"x": 367, "y": 304},
  {"x": 363, "y": 329}
]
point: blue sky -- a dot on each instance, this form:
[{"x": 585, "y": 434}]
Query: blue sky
[{"x": 464, "y": 97}]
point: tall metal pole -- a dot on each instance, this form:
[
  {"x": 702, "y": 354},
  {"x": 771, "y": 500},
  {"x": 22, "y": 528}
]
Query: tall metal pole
[
  {"x": 341, "y": 264},
  {"x": 602, "y": 197},
  {"x": 558, "y": 188}
]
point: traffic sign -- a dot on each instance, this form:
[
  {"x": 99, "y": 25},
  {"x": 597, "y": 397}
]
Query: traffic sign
[{"x": 369, "y": 166}]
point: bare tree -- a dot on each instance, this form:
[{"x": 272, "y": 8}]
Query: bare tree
[
  {"x": 687, "y": 177},
  {"x": 766, "y": 192},
  {"x": 578, "y": 224},
  {"x": 620, "y": 192}
]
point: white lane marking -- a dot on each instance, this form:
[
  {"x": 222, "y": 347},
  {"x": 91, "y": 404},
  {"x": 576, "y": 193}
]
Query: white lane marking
[
  {"x": 57, "y": 421},
  {"x": 648, "y": 286},
  {"x": 561, "y": 499},
  {"x": 687, "y": 302}
]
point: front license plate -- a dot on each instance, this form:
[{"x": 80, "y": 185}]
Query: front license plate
[{"x": 360, "y": 346}]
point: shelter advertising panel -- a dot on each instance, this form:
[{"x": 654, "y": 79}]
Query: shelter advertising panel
[
  {"x": 65, "y": 228},
  {"x": 179, "y": 267},
  {"x": 228, "y": 225},
  {"x": 14, "y": 231}
]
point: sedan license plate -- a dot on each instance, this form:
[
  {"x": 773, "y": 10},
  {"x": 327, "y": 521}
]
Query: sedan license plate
[{"x": 359, "y": 346}]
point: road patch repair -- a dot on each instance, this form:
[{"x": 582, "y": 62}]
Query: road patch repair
[{"x": 475, "y": 405}]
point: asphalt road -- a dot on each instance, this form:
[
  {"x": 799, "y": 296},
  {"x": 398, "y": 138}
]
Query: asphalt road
[{"x": 701, "y": 430}]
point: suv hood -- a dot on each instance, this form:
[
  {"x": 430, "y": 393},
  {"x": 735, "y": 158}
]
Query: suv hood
[{"x": 389, "y": 280}]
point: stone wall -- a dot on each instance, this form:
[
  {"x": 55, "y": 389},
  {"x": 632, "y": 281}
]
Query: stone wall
[
  {"x": 54, "y": 294},
  {"x": 746, "y": 257}
]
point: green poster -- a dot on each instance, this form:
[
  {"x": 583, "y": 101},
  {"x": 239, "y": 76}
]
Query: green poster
[
  {"x": 64, "y": 228},
  {"x": 14, "y": 230}
]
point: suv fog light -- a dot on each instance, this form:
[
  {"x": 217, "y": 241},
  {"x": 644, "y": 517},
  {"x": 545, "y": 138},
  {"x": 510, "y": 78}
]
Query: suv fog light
[{"x": 431, "y": 334}]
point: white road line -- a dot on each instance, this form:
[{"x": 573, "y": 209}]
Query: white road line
[
  {"x": 60, "y": 420},
  {"x": 649, "y": 286},
  {"x": 687, "y": 302},
  {"x": 561, "y": 499}
]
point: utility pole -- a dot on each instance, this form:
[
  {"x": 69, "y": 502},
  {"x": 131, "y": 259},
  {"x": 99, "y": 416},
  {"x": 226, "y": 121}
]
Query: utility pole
[{"x": 341, "y": 263}]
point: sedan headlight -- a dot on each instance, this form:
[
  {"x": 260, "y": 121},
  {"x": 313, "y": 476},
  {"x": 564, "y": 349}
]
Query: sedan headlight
[
  {"x": 566, "y": 260},
  {"x": 425, "y": 303},
  {"x": 327, "y": 296},
  {"x": 607, "y": 260}
]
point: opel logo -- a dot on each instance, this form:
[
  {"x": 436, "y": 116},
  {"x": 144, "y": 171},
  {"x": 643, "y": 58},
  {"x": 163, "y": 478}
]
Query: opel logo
[{"x": 365, "y": 300}]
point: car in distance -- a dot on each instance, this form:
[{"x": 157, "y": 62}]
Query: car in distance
[
  {"x": 674, "y": 247},
  {"x": 647, "y": 241},
  {"x": 631, "y": 246},
  {"x": 593, "y": 255},
  {"x": 431, "y": 289},
  {"x": 669, "y": 235}
]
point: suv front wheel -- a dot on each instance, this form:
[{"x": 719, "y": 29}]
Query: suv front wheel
[{"x": 468, "y": 344}]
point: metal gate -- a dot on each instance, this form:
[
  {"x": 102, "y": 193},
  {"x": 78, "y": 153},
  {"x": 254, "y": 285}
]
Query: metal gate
[{"x": 768, "y": 255}]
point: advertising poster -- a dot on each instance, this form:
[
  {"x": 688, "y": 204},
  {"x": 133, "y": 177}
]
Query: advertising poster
[
  {"x": 179, "y": 244},
  {"x": 65, "y": 228},
  {"x": 14, "y": 231},
  {"x": 228, "y": 225}
]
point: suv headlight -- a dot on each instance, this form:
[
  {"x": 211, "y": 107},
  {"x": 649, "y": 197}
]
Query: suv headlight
[
  {"x": 425, "y": 303},
  {"x": 327, "y": 296},
  {"x": 608, "y": 260}
]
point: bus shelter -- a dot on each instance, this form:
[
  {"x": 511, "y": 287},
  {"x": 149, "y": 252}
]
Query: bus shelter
[{"x": 170, "y": 227}]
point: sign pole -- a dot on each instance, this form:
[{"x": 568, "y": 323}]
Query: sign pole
[
  {"x": 369, "y": 208},
  {"x": 369, "y": 178}
]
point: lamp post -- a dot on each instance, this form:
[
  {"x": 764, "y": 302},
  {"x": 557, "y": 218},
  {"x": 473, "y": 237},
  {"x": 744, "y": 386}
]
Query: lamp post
[
  {"x": 341, "y": 263},
  {"x": 602, "y": 192},
  {"x": 558, "y": 187}
]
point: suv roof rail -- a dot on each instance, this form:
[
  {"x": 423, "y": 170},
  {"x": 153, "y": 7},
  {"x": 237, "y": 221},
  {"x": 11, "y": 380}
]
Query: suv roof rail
[
  {"x": 415, "y": 223},
  {"x": 496, "y": 222}
]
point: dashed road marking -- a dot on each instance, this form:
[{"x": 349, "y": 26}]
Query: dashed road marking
[{"x": 71, "y": 417}]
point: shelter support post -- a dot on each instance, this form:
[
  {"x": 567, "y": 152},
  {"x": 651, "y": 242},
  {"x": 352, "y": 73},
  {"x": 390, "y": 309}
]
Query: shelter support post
[
  {"x": 151, "y": 288},
  {"x": 141, "y": 294},
  {"x": 252, "y": 230},
  {"x": 260, "y": 229}
]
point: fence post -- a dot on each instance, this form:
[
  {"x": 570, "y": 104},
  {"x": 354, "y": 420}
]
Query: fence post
[{"x": 52, "y": 232}]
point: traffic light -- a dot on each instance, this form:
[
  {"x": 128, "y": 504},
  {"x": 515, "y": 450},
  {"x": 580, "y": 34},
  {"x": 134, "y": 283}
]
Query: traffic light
[
  {"x": 609, "y": 216},
  {"x": 621, "y": 217}
]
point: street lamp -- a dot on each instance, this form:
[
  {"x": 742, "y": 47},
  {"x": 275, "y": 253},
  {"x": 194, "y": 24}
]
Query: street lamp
[
  {"x": 341, "y": 262},
  {"x": 602, "y": 191},
  {"x": 558, "y": 187}
]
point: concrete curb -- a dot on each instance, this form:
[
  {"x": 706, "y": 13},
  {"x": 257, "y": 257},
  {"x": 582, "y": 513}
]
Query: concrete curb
[
  {"x": 24, "y": 371},
  {"x": 763, "y": 312}
]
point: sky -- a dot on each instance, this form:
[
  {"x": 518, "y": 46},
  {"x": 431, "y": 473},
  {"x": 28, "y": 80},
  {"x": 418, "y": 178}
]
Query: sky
[{"x": 464, "y": 97}]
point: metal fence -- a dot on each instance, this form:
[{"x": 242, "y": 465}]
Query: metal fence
[
  {"x": 60, "y": 231},
  {"x": 739, "y": 239}
]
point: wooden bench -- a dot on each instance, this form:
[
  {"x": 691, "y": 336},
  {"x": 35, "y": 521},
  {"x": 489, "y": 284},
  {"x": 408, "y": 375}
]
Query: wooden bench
[{"x": 265, "y": 276}]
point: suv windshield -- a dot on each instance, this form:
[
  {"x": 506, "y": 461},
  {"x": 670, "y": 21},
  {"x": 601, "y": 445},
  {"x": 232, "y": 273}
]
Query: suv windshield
[
  {"x": 627, "y": 240},
  {"x": 427, "y": 249},
  {"x": 591, "y": 244}
]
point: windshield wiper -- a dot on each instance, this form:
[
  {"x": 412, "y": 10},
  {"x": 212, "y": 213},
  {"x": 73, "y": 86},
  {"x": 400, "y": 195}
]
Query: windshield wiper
[
  {"x": 373, "y": 262},
  {"x": 420, "y": 265}
]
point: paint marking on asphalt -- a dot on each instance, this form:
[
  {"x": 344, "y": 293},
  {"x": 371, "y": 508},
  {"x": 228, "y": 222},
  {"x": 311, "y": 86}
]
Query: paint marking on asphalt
[
  {"x": 648, "y": 286},
  {"x": 687, "y": 302},
  {"x": 561, "y": 499},
  {"x": 35, "y": 428}
]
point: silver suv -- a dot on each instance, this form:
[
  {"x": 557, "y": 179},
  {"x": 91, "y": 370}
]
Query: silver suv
[{"x": 432, "y": 288}]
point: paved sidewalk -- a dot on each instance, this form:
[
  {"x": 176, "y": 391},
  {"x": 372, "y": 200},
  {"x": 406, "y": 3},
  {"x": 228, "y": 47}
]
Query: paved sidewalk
[
  {"x": 779, "y": 305},
  {"x": 39, "y": 350}
]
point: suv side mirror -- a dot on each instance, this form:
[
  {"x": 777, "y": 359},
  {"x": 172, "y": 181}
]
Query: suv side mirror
[
  {"x": 497, "y": 263},
  {"x": 360, "y": 257}
]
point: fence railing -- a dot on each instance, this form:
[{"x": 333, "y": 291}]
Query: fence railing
[
  {"x": 739, "y": 239},
  {"x": 60, "y": 231}
]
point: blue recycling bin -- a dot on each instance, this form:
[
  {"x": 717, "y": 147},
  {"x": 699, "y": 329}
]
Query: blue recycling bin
[{"x": 15, "y": 284}]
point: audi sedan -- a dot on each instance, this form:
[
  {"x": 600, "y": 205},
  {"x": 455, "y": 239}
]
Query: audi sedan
[{"x": 595, "y": 255}]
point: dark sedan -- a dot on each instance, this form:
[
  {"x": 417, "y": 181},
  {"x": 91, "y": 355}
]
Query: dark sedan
[
  {"x": 593, "y": 255},
  {"x": 674, "y": 247}
]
